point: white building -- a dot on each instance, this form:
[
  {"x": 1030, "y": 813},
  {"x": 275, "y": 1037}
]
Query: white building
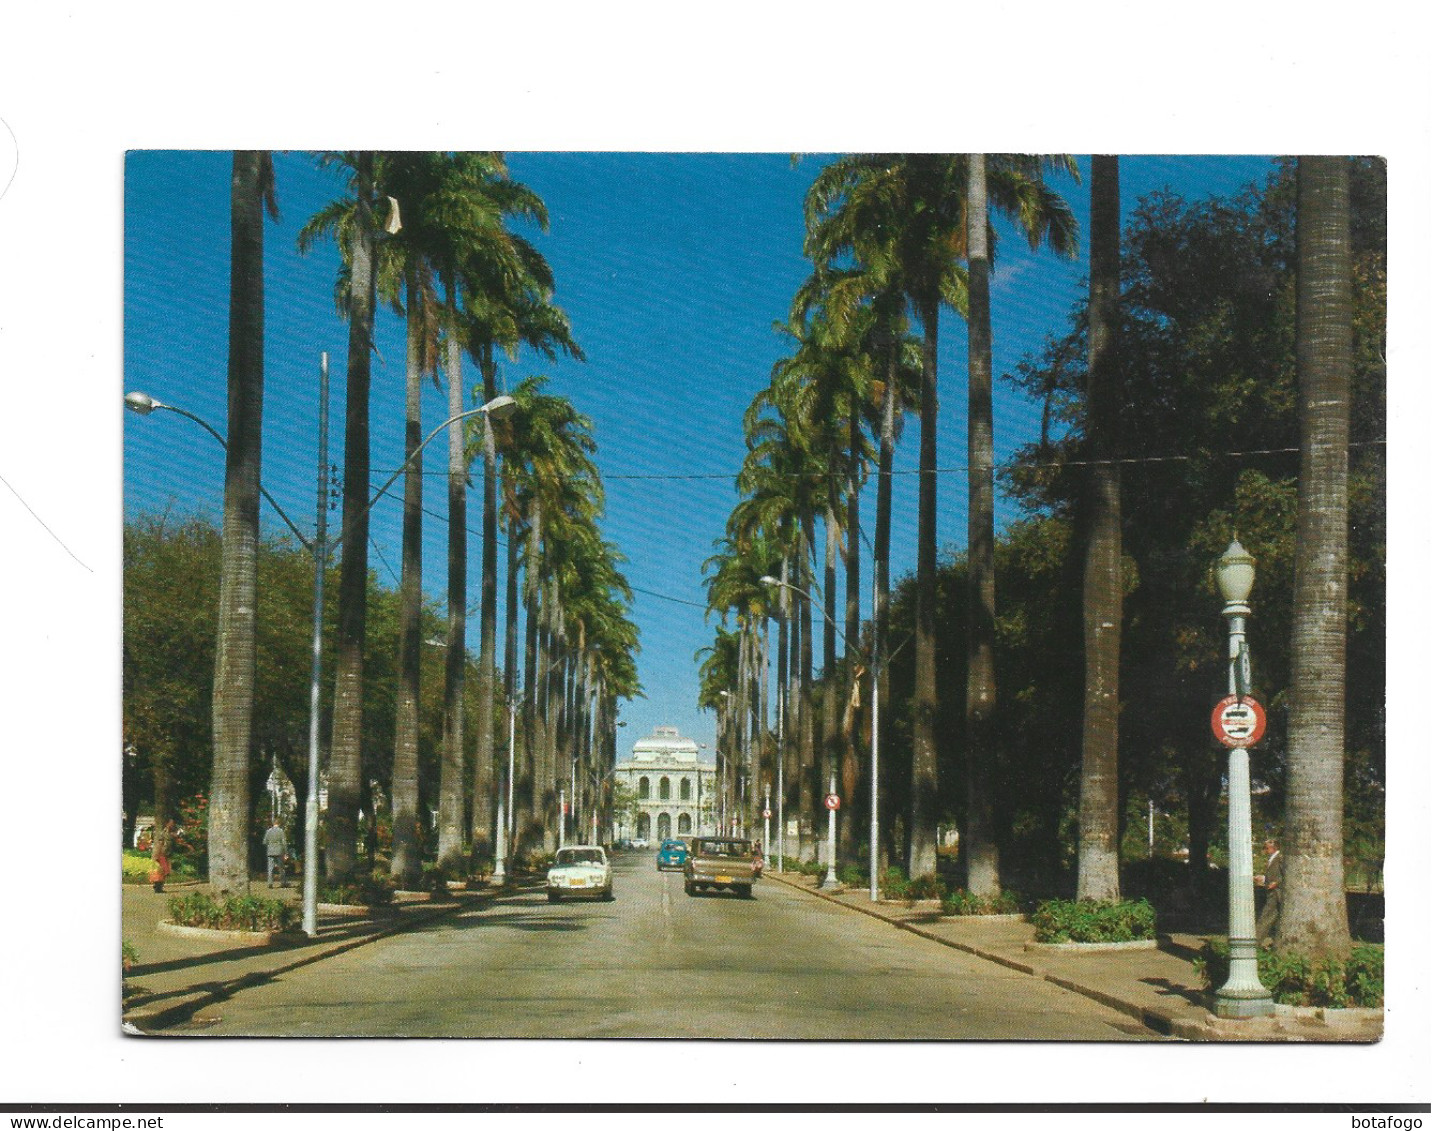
[{"x": 674, "y": 790}]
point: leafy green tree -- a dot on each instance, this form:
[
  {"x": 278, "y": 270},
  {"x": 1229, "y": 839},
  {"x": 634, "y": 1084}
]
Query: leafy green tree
[
  {"x": 1206, "y": 388},
  {"x": 170, "y": 617}
]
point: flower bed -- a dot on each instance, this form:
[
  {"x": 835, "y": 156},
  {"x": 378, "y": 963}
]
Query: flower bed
[
  {"x": 1006, "y": 905},
  {"x": 1297, "y": 980},
  {"x": 248, "y": 913},
  {"x": 1089, "y": 921}
]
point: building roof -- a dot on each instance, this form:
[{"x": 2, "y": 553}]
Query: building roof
[{"x": 664, "y": 745}]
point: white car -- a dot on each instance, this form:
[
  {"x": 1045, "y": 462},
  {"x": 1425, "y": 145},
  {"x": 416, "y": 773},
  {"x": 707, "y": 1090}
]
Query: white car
[{"x": 580, "y": 871}]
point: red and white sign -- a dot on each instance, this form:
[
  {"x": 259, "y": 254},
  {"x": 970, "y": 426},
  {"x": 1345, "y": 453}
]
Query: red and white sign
[
  {"x": 766, "y": 813},
  {"x": 1239, "y": 721},
  {"x": 832, "y": 801}
]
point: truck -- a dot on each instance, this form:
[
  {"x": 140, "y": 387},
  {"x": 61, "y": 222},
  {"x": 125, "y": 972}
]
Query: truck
[{"x": 722, "y": 863}]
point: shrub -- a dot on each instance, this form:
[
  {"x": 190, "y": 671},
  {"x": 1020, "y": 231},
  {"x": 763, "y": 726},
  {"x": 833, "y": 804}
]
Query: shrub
[
  {"x": 893, "y": 884},
  {"x": 1296, "y": 979},
  {"x": 961, "y": 902},
  {"x": 928, "y": 886},
  {"x": 1088, "y": 920},
  {"x": 851, "y": 876},
  {"x": 129, "y": 956},
  {"x": 134, "y": 866},
  {"x": 237, "y": 913},
  {"x": 371, "y": 891}
]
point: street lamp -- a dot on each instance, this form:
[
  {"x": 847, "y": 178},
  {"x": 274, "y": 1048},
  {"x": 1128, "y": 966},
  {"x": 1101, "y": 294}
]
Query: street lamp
[
  {"x": 496, "y": 409},
  {"x": 1243, "y": 995}
]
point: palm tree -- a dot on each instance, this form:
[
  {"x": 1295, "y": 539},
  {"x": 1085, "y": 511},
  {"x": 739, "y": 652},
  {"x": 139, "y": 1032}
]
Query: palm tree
[
  {"x": 821, "y": 389},
  {"x": 1103, "y": 552},
  {"x": 497, "y": 290},
  {"x": 978, "y": 836},
  {"x": 410, "y": 179},
  {"x": 783, "y": 472},
  {"x": 351, "y": 222},
  {"x": 506, "y": 321},
  {"x": 1314, "y": 914},
  {"x": 251, "y": 189},
  {"x": 549, "y": 482},
  {"x": 867, "y": 302},
  {"x": 905, "y": 217}
]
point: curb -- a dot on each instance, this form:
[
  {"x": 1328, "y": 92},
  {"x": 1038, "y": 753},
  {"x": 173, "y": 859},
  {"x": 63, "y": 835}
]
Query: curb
[
  {"x": 146, "y": 1021},
  {"x": 1091, "y": 947}
]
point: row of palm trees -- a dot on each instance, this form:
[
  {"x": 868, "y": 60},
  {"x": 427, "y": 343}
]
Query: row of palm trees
[
  {"x": 431, "y": 235},
  {"x": 894, "y": 239}
]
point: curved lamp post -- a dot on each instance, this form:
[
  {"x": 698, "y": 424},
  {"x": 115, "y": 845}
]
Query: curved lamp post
[
  {"x": 1243, "y": 995},
  {"x": 496, "y": 409}
]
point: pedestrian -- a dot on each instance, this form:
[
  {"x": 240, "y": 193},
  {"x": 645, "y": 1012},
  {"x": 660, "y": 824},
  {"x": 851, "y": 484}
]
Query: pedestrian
[
  {"x": 276, "y": 849},
  {"x": 163, "y": 845},
  {"x": 1273, "y": 887}
]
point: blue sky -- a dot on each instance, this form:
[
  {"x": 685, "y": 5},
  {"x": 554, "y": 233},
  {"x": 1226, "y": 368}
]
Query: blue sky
[{"x": 672, "y": 268}]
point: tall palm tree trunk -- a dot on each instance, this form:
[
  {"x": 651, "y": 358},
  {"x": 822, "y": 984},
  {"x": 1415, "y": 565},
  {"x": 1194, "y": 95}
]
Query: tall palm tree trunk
[
  {"x": 234, "y": 663},
  {"x": 1103, "y": 575},
  {"x": 450, "y": 802},
  {"x": 849, "y": 747},
  {"x": 345, "y": 759},
  {"x": 1314, "y": 914},
  {"x": 529, "y": 801},
  {"x": 546, "y": 662},
  {"x": 484, "y": 796},
  {"x": 805, "y": 802},
  {"x": 924, "y": 770},
  {"x": 406, "y": 865},
  {"x": 510, "y": 671},
  {"x": 979, "y": 837},
  {"x": 881, "y": 564},
  {"x": 831, "y": 700},
  {"x": 784, "y": 745}
]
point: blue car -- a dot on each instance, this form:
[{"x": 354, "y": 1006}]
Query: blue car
[{"x": 671, "y": 855}]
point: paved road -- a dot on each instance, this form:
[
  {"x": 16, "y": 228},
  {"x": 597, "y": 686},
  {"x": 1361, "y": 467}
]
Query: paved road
[{"x": 658, "y": 963}]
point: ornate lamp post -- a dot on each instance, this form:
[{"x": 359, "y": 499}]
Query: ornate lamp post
[{"x": 1243, "y": 995}]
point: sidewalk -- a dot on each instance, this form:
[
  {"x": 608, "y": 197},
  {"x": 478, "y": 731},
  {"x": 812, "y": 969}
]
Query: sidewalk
[
  {"x": 176, "y": 978},
  {"x": 1156, "y": 987}
]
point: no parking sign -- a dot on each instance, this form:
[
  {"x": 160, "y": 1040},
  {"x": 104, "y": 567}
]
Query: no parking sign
[{"x": 1239, "y": 721}]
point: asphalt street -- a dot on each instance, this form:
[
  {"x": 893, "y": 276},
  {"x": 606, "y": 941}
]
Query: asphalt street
[{"x": 657, "y": 963}]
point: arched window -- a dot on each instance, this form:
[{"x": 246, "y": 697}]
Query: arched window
[
  {"x": 686, "y": 792},
  {"x": 643, "y": 789},
  {"x": 665, "y": 789},
  {"x": 643, "y": 826},
  {"x": 683, "y": 823},
  {"x": 663, "y": 826}
]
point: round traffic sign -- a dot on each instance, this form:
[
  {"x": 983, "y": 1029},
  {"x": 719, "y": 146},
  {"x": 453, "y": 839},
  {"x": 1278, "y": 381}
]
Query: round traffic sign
[
  {"x": 1239, "y": 721},
  {"x": 832, "y": 801},
  {"x": 766, "y": 813}
]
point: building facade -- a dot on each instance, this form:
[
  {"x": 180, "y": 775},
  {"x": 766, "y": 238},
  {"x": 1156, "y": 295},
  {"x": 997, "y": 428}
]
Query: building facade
[{"x": 670, "y": 792}]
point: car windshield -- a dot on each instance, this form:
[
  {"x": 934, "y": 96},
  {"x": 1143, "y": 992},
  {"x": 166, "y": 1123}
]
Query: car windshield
[
  {"x": 672, "y": 845},
  {"x": 579, "y": 856},
  {"x": 725, "y": 848}
]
